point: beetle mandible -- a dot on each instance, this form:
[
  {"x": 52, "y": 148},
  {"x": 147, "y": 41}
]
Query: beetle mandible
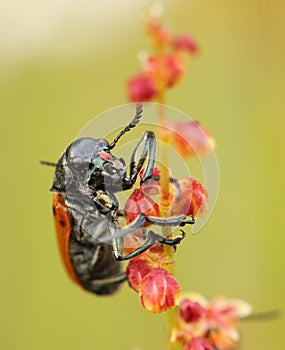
[{"x": 86, "y": 210}]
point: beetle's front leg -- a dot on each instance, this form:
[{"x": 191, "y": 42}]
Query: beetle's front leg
[{"x": 144, "y": 149}]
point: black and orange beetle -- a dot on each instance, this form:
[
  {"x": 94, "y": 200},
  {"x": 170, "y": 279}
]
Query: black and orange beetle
[{"x": 86, "y": 211}]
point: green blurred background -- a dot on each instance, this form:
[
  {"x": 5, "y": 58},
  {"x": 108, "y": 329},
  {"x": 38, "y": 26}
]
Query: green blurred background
[{"x": 63, "y": 63}]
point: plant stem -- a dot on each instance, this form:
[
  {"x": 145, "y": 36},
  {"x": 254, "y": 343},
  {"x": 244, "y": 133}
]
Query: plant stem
[
  {"x": 164, "y": 173},
  {"x": 164, "y": 181},
  {"x": 172, "y": 325},
  {"x": 164, "y": 188}
]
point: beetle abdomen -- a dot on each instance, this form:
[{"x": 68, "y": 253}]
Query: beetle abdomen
[{"x": 95, "y": 266}]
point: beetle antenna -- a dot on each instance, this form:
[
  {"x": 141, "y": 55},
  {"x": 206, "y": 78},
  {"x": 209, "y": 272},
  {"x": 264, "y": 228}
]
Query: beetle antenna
[
  {"x": 132, "y": 124},
  {"x": 43, "y": 162}
]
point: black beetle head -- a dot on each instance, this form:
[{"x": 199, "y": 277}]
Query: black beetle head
[{"x": 87, "y": 162}]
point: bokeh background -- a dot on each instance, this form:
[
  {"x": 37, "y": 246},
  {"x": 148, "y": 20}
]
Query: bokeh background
[{"x": 64, "y": 62}]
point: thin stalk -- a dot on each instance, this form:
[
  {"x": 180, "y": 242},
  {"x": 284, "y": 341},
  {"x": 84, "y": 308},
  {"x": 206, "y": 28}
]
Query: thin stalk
[
  {"x": 164, "y": 185},
  {"x": 172, "y": 325}
]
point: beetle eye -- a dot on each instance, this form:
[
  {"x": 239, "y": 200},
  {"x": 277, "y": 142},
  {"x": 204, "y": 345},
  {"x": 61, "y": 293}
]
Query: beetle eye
[
  {"x": 79, "y": 165},
  {"x": 76, "y": 162}
]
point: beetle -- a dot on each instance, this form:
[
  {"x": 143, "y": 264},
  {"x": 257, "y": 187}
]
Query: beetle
[{"x": 86, "y": 210}]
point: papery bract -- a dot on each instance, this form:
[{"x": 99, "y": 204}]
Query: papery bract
[
  {"x": 141, "y": 88},
  {"x": 224, "y": 313},
  {"x": 155, "y": 173},
  {"x": 160, "y": 34},
  {"x": 221, "y": 340},
  {"x": 185, "y": 42},
  {"x": 234, "y": 308},
  {"x": 157, "y": 258},
  {"x": 159, "y": 291},
  {"x": 185, "y": 196},
  {"x": 136, "y": 271},
  {"x": 139, "y": 266},
  {"x": 166, "y": 67},
  {"x": 148, "y": 275},
  {"x": 189, "y": 138},
  {"x": 165, "y": 70},
  {"x": 190, "y": 311},
  {"x": 138, "y": 203},
  {"x": 218, "y": 322},
  {"x": 192, "y": 199},
  {"x": 133, "y": 241},
  {"x": 197, "y": 343}
]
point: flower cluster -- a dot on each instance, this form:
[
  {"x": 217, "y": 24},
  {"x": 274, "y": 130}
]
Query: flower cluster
[
  {"x": 149, "y": 274},
  {"x": 163, "y": 69},
  {"x": 195, "y": 323},
  {"x": 186, "y": 196},
  {"x": 208, "y": 324}
]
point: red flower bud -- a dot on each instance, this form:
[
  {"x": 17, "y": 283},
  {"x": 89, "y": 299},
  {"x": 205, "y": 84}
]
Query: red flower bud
[
  {"x": 165, "y": 70},
  {"x": 155, "y": 172},
  {"x": 192, "y": 199},
  {"x": 160, "y": 34},
  {"x": 159, "y": 291},
  {"x": 141, "y": 88},
  {"x": 185, "y": 43},
  {"x": 198, "y": 344},
  {"x": 136, "y": 271},
  {"x": 190, "y": 311},
  {"x": 138, "y": 203},
  {"x": 189, "y": 138}
]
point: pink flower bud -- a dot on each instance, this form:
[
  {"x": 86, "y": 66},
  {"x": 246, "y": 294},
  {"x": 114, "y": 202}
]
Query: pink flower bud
[
  {"x": 138, "y": 203},
  {"x": 198, "y": 344},
  {"x": 192, "y": 199},
  {"x": 141, "y": 88},
  {"x": 190, "y": 311},
  {"x": 189, "y": 138},
  {"x": 136, "y": 271},
  {"x": 160, "y": 34},
  {"x": 159, "y": 291},
  {"x": 185, "y": 43},
  {"x": 166, "y": 70}
]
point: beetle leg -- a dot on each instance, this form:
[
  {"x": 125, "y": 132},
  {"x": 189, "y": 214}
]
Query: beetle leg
[
  {"x": 170, "y": 221},
  {"x": 145, "y": 148},
  {"x": 151, "y": 239},
  {"x": 188, "y": 222},
  {"x": 151, "y": 148},
  {"x": 118, "y": 241},
  {"x": 98, "y": 231},
  {"x": 139, "y": 222},
  {"x": 172, "y": 242}
]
